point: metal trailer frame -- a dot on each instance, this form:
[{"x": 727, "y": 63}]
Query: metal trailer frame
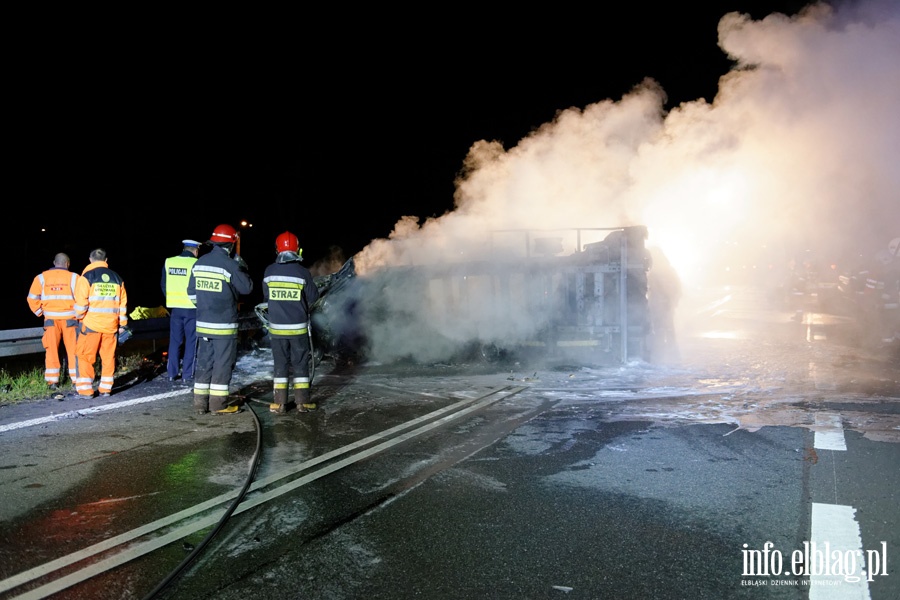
[
  {"x": 592, "y": 301},
  {"x": 598, "y": 293}
]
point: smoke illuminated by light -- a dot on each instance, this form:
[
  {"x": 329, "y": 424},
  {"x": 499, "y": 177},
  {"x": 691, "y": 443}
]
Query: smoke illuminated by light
[
  {"x": 798, "y": 152},
  {"x": 800, "y": 146}
]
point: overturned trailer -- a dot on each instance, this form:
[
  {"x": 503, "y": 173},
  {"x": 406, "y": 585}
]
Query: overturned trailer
[{"x": 551, "y": 295}]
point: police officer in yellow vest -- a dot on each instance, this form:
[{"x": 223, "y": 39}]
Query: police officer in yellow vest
[{"x": 182, "y": 312}]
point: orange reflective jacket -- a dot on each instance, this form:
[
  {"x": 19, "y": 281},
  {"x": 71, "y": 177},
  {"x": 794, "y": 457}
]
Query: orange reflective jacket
[
  {"x": 52, "y": 294},
  {"x": 100, "y": 299}
]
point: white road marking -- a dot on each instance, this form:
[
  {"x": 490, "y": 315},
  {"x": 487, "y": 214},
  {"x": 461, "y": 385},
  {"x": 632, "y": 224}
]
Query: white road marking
[
  {"x": 829, "y": 434},
  {"x": 87, "y": 411},
  {"x": 835, "y": 530}
]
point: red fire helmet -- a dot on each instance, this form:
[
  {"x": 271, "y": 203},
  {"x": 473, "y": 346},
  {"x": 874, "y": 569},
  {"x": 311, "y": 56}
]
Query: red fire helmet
[
  {"x": 223, "y": 234},
  {"x": 287, "y": 242}
]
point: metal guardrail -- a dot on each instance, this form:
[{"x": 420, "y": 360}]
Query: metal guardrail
[
  {"x": 15, "y": 342},
  {"x": 21, "y": 342}
]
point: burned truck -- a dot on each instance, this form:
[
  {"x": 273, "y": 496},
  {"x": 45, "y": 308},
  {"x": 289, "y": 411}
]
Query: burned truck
[
  {"x": 869, "y": 291},
  {"x": 555, "y": 296}
]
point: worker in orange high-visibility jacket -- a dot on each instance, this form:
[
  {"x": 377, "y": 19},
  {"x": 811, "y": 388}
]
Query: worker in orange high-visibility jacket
[
  {"x": 101, "y": 307},
  {"x": 52, "y": 297}
]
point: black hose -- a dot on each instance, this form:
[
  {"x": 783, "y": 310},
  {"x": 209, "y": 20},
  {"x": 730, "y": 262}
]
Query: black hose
[
  {"x": 196, "y": 551},
  {"x": 312, "y": 357}
]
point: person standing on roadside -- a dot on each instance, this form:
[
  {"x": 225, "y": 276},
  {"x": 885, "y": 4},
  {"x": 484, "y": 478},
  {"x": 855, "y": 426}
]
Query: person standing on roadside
[
  {"x": 52, "y": 297},
  {"x": 182, "y": 312},
  {"x": 101, "y": 307},
  {"x": 217, "y": 280},
  {"x": 290, "y": 291}
]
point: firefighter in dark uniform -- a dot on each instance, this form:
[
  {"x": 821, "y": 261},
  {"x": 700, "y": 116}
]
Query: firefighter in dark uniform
[
  {"x": 290, "y": 291},
  {"x": 182, "y": 312},
  {"x": 217, "y": 280}
]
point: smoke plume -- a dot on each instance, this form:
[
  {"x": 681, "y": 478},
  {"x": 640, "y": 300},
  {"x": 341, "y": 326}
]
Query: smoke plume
[{"x": 798, "y": 152}]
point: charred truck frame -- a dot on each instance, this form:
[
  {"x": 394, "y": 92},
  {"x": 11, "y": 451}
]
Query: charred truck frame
[{"x": 530, "y": 297}]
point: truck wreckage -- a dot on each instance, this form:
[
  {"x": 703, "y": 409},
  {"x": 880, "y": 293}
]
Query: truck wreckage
[
  {"x": 536, "y": 301},
  {"x": 870, "y": 293}
]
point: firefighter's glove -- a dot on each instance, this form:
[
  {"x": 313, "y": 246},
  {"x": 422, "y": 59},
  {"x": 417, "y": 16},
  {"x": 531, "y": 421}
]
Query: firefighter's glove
[{"x": 242, "y": 264}]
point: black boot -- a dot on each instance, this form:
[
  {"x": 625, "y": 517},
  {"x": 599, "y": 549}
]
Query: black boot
[
  {"x": 201, "y": 403},
  {"x": 279, "y": 404},
  {"x": 303, "y": 400}
]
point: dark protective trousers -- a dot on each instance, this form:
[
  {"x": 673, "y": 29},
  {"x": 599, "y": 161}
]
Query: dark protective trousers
[
  {"x": 216, "y": 358},
  {"x": 182, "y": 333},
  {"x": 291, "y": 356}
]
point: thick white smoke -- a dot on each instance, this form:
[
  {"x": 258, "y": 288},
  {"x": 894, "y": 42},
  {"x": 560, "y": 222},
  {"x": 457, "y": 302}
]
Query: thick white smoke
[{"x": 798, "y": 151}]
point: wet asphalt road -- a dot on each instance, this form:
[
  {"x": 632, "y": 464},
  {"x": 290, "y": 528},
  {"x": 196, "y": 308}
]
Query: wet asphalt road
[{"x": 635, "y": 482}]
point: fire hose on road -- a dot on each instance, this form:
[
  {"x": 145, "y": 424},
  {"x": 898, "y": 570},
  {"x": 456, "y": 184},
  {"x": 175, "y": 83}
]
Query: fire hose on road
[{"x": 382, "y": 441}]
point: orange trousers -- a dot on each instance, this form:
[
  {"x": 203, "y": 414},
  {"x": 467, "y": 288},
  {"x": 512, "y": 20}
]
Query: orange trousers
[
  {"x": 87, "y": 348},
  {"x": 57, "y": 331}
]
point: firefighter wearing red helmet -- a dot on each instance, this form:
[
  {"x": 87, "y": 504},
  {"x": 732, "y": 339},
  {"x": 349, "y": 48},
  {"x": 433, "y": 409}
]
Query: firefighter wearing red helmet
[
  {"x": 224, "y": 234},
  {"x": 288, "y": 242},
  {"x": 290, "y": 291},
  {"x": 217, "y": 280}
]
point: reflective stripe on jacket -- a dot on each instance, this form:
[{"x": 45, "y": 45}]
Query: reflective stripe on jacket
[
  {"x": 216, "y": 283},
  {"x": 52, "y": 294},
  {"x": 176, "y": 274},
  {"x": 290, "y": 291},
  {"x": 100, "y": 299}
]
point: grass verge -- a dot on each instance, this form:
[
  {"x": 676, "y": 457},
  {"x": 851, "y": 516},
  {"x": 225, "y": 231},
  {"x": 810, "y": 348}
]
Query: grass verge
[{"x": 28, "y": 385}]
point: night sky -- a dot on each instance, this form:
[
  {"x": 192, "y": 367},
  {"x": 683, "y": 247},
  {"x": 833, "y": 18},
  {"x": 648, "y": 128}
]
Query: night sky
[{"x": 135, "y": 136}]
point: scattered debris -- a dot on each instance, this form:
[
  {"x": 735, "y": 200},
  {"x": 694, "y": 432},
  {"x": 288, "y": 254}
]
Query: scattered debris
[{"x": 809, "y": 454}]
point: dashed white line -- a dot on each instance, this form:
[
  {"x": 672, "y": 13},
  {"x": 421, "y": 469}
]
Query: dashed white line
[
  {"x": 839, "y": 559},
  {"x": 829, "y": 434}
]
